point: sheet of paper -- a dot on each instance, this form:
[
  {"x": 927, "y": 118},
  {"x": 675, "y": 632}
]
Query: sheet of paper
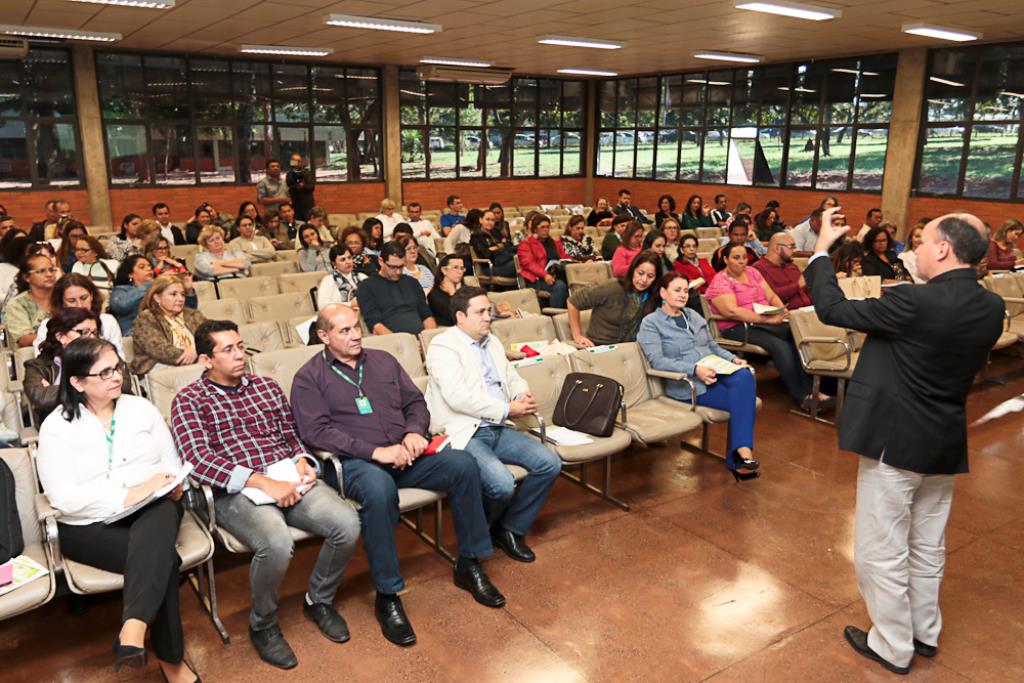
[
  {"x": 563, "y": 436},
  {"x": 720, "y": 365},
  {"x": 185, "y": 470},
  {"x": 767, "y": 310},
  {"x": 282, "y": 470},
  {"x": 25, "y": 570}
]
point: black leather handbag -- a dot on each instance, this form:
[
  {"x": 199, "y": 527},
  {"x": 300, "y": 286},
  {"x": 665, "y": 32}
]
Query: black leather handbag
[{"x": 588, "y": 403}]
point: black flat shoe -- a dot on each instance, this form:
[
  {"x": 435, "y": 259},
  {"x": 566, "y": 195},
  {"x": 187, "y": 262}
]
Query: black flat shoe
[
  {"x": 393, "y": 623},
  {"x": 858, "y": 640},
  {"x": 190, "y": 667},
  {"x": 744, "y": 476},
  {"x": 128, "y": 655},
  {"x": 925, "y": 650},
  {"x": 469, "y": 575},
  {"x": 512, "y": 544},
  {"x": 273, "y": 648}
]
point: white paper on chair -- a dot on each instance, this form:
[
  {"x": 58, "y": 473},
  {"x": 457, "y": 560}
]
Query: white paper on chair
[
  {"x": 563, "y": 436},
  {"x": 303, "y": 329},
  {"x": 720, "y": 365},
  {"x": 24, "y": 570},
  {"x": 282, "y": 470}
]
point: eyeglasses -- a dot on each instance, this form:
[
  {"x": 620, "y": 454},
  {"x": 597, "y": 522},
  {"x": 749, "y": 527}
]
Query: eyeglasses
[
  {"x": 788, "y": 246},
  {"x": 393, "y": 266},
  {"x": 107, "y": 373},
  {"x": 84, "y": 332},
  {"x": 160, "y": 248},
  {"x": 83, "y": 250}
]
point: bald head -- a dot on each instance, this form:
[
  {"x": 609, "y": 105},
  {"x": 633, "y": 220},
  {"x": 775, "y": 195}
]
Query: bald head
[
  {"x": 780, "y": 247},
  {"x": 956, "y": 240},
  {"x": 337, "y": 326}
]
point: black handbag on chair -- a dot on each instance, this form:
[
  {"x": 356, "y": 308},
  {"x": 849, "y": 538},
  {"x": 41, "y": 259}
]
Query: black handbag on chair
[{"x": 588, "y": 403}]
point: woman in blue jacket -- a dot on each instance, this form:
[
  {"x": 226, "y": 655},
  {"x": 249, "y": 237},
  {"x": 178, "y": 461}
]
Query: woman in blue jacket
[{"x": 675, "y": 338}]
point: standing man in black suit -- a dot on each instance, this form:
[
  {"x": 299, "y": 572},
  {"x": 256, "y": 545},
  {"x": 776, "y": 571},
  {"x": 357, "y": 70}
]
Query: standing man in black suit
[{"x": 904, "y": 415}]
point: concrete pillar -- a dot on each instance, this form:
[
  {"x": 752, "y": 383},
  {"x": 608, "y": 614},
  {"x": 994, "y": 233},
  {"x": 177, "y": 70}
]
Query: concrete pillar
[
  {"x": 590, "y": 135},
  {"x": 392, "y": 134},
  {"x": 90, "y": 125},
  {"x": 904, "y": 128}
]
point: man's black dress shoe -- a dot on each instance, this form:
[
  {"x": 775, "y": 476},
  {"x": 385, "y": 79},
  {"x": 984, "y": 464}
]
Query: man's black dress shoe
[
  {"x": 925, "y": 650},
  {"x": 514, "y": 545},
  {"x": 273, "y": 648},
  {"x": 393, "y": 623},
  {"x": 858, "y": 640},
  {"x": 470, "y": 576},
  {"x": 331, "y": 624}
]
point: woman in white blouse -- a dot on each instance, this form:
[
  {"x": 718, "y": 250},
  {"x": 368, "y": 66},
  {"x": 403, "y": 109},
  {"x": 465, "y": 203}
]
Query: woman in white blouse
[
  {"x": 339, "y": 286},
  {"x": 100, "y": 453},
  {"x": 389, "y": 218}
]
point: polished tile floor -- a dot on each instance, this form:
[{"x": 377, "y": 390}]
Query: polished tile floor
[{"x": 704, "y": 579}]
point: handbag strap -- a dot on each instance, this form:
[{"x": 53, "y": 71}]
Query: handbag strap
[{"x": 565, "y": 410}]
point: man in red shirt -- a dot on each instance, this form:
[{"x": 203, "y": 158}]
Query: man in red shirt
[{"x": 781, "y": 273}]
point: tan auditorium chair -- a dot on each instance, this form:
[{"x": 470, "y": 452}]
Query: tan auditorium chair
[
  {"x": 582, "y": 275},
  {"x": 825, "y": 351},
  {"x": 524, "y": 299},
  {"x": 403, "y": 346},
  {"x": 273, "y": 269},
  {"x": 737, "y": 347}
]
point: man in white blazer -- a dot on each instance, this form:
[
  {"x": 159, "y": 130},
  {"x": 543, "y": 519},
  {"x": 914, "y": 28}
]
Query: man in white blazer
[{"x": 473, "y": 391}]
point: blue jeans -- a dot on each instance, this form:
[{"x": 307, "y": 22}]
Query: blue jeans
[
  {"x": 559, "y": 291},
  {"x": 375, "y": 487},
  {"x": 736, "y": 393},
  {"x": 493, "y": 447}
]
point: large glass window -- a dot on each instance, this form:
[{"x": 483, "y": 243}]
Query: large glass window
[
  {"x": 821, "y": 125},
  {"x": 528, "y": 127},
  {"x": 173, "y": 120},
  {"x": 971, "y": 123},
  {"x": 38, "y": 132}
]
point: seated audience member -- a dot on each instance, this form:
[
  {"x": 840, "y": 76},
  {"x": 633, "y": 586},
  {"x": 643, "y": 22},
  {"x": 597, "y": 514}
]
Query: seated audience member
[
  {"x": 77, "y": 291},
  {"x": 692, "y": 266},
  {"x": 423, "y": 257},
  {"x": 616, "y": 306},
  {"x": 36, "y": 278},
  {"x": 132, "y": 281},
  {"x": 459, "y": 236},
  {"x": 473, "y": 392},
  {"x": 361, "y": 404},
  {"x": 164, "y": 328},
  {"x": 666, "y": 209},
  {"x": 374, "y": 231},
  {"x": 159, "y": 254},
  {"x": 224, "y": 221},
  {"x": 897, "y": 246},
  {"x": 354, "y": 240},
  {"x": 601, "y": 210},
  {"x": 417, "y": 272},
  {"x": 288, "y": 232},
  {"x": 170, "y": 232},
  {"x": 871, "y": 221},
  {"x": 7, "y": 223},
  {"x": 340, "y": 284},
  {"x": 720, "y": 214},
  {"x": 908, "y": 257},
  {"x": 232, "y": 425},
  {"x": 489, "y": 243},
  {"x": 655, "y": 241},
  {"x": 37, "y": 232},
  {"x": 501, "y": 227},
  {"x": 257, "y": 247},
  {"x": 536, "y": 253},
  {"x": 880, "y": 258},
  {"x": 613, "y": 238},
  {"x": 453, "y": 217},
  {"x": 847, "y": 260},
  {"x": 677, "y": 340},
  {"x": 779, "y": 224},
  {"x": 317, "y": 220},
  {"x": 423, "y": 229},
  {"x": 22, "y": 247},
  {"x": 673, "y": 234},
  {"x": 215, "y": 261},
  {"x": 625, "y": 208},
  {"x": 733, "y": 293},
  {"x": 128, "y": 241},
  {"x": 92, "y": 262},
  {"x": 41, "y": 380},
  {"x": 739, "y": 231},
  {"x": 827, "y": 203},
  {"x": 1002, "y": 252},
  {"x": 766, "y": 224},
  {"x": 72, "y": 232},
  {"x": 452, "y": 271},
  {"x": 781, "y": 274},
  {"x": 249, "y": 210},
  {"x": 578, "y": 246},
  {"x": 694, "y": 214},
  {"x": 393, "y": 302},
  {"x": 389, "y": 217},
  {"x": 314, "y": 257},
  {"x": 274, "y": 233},
  {"x": 806, "y": 233},
  {"x": 203, "y": 218},
  {"x": 100, "y": 453}
]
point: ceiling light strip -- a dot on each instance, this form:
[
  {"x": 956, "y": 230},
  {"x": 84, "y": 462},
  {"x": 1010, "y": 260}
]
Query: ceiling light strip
[
  {"x": 571, "y": 41},
  {"x": 588, "y": 72},
  {"x": 946, "y": 81},
  {"x": 795, "y": 10},
  {"x": 957, "y": 35},
  {"x": 53, "y": 32},
  {"x": 455, "y": 61},
  {"x": 720, "y": 56},
  {"x": 286, "y": 50},
  {"x": 381, "y": 24},
  {"x": 145, "y": 4}
]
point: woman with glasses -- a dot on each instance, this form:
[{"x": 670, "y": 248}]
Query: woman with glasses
[
  {"x": 159, "y": 254},
  {"x": 354, "y": 240},
  {"x": 452, "y": 270},
  {"x": 340, "y": 284},
  {"x": 418, "y": 272},
  {"x": 78, "y": 291},
  {"x": 36, "y": 277},
  {"x": 165, "y": 327},
  {"x": 65, "y": 245},
  {"x": 880, "y": 257},
  {"x": 314, "y": 257},
  {"x": 92, "y": 262},
  {"x": 103, "y": 452}
]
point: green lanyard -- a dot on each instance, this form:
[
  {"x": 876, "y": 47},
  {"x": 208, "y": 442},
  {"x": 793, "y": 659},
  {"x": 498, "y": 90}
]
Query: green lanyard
[
  {"x": 339, "y": 373},
  {"x": 110, "y": 446}
]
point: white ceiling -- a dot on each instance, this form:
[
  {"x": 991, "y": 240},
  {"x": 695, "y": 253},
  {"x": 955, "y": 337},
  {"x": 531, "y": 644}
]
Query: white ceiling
[{"x": 659, "y": 34}]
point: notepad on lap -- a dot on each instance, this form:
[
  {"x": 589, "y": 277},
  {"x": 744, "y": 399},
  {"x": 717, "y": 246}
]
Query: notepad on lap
[
  {"x": 282, "y": 470},
  {"x": 720, "y": 365},
  {"x": 185, "y": 470},
  {"x": 767, "y": 310}
]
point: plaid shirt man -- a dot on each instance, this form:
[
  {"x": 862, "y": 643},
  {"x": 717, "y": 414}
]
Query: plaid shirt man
[{"x": 230, "y": 433}]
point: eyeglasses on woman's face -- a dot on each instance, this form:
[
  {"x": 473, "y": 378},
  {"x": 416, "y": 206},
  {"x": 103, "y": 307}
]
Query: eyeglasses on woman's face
[
  {"x": 83, "y": 331},
  {"x": 109, "y": 373}
]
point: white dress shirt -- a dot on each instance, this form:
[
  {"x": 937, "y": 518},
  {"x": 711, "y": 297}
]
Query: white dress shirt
[
  {"x": 425, "y": 241},
  {"x": 389, "y": 223}
]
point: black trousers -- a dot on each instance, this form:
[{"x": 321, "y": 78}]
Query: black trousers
[
  {"x": 777, "y": 340},
  {"x": 142, "y": 548}
]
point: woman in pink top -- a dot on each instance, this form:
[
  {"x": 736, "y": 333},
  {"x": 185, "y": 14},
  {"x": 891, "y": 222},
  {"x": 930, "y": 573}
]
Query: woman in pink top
[
  {"x": 733, "y": 293},
  {"x": 632, "y": 241}
]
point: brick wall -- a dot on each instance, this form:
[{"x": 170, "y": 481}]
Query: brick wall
[
  {"x": 991, "y": 211},
  {"x": 27, "y": 207},
  {"x": 480, "y": 193}
]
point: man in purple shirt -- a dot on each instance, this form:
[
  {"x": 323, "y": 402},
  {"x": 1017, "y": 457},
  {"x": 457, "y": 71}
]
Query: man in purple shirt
[
  {"x": 361, "y": 404},
  {"x": 781, "y": 273}
]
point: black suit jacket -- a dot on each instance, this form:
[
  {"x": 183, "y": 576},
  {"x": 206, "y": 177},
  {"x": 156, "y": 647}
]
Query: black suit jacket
[
  {"x": 925, "y": 344},
  {"x": 633, "y": 212}
]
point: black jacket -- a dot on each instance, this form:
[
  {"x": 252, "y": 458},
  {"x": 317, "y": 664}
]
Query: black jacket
[
  {"x": 925, "y": 344},
  {"x": 633, "y": 212}
]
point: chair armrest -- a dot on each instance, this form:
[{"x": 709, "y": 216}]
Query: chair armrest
[
  {"x": 551, "y": 310},
  {"x": 1013, "y": 299},
  {"x": 334, "y": 462},
  {"x": 48, "y": 516},
  {"x": 822, "y": 340},
  {"x": 523, "y": 423},
  {"x": 202, "y": 505},
  {"x": 44, "y": 510},
  {"x": 807, "y": 341},
  {"x": 678, "y": 377},
  {"x": 483, "y": 265}
]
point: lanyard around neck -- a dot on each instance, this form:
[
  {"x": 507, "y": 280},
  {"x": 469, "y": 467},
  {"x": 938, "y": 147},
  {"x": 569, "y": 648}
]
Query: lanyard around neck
[
  {"x": 109, "y": 436},
  {"x": 358, "y": 385}
]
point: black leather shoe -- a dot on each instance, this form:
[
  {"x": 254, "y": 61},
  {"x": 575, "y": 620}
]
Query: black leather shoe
[
  {"x": 331, "y": 624},
  {"x": 273, "y": 648},
  {"x": 128, "y": 655},
  {"x": 858, "y": 640},
  {"x": 393, "y": 623},
  {"x": 925, "y": 650},
  {"x": 514, "y": 545},
  {"x": 469, "y": 576}
]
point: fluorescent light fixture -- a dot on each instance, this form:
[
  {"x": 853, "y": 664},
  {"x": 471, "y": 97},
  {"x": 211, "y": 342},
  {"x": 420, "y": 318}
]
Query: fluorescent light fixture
[
  {"x": 570, "y": 41},
  {"x": 797, "y": 10},
  {"x": 796, "y": 89},
  {"x": 454, "y": 61},
  {"x": 147, "y": 4},
  {"x": 588, "y": 72},
  {"x": 381, "y": 24},
  {"x": 1010, "y": 93},
  {"x": 286, "y": 50},
  {"x": 873, "y": 95},
  {"x": 958, "y": 35},
  {"x": 945, "y": 81},
  {"x": 51, "y": 32},
  {"x": 703, "y": 82},
  {"x": 728, "y": 56},
  {"x": 843, "y": 70}
]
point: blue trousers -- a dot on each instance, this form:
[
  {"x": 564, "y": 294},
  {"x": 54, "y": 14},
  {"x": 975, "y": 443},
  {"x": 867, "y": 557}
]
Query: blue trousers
[
  {"x": 736, "y": 393},
  {"x": 493, "y": 447},
  {"x": 559, "y": 291},
  {"x": 375, "y": 488}
]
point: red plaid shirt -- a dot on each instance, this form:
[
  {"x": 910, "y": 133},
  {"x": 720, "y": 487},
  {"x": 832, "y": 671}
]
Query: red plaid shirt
[{"x": 228, "y": 435}]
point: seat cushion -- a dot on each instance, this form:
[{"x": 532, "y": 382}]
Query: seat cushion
[
  {"x": 600, "y": 449},
  {"x": 716, "y": 416},
  {"x": 657, "y": 420},
  {"x": 1008, "y": 338},
  {"x": 33, "y": 594},
  {"x": 833, "y": 368},
  {"x": 412, "y": 499}
]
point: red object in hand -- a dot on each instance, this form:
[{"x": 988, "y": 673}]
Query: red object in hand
[
  {"x": 435, "y": 445},
  {"x": 529, "y": 351}
]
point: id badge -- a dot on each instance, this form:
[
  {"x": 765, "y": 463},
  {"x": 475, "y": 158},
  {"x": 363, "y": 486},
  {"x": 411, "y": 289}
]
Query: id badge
[{"x": 363, "y": 405}]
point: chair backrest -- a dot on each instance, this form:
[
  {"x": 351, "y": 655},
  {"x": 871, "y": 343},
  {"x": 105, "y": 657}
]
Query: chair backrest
[
  {"x": 804, "y": 323},
  {"x": 562, "y": 330},
  {"x": 1006, "y": 285},
  {"x": 403, "y": 346},
  {"x": 288, "y": 255},
  {"x": 705, "y": 311},
  {"x": 282, "y": 365},
  {"x": 519, "y": 330},
  {"x": 581, "y": 275},
  {"x": 705, "y": 233},
  {"x": 865, "y": 287},
  {"x": 299, "y": 282},
  {"x": 524, "y": 299},
  {"x": 25, "y": 489},
  {"x": 545, "y": 375},
  {"x": 279, "y": 306},
  {"x": 205, "y": 291},
  {"x": 427, "y": 336},
  {"x": 185, "y": 252},
  {"x": 23, "y": 354},
  {"x": 262, "y": 336},
  {"x": 223, "y": 309},
  {"x": 273, "y": 269},
  {"x": 128, "y": 344},
  {"x": 244, "y": 288},
  {"x": 290, "y": 329},
  {"x": 621, "y": 362},
  {"x": 165, "y": 383}
]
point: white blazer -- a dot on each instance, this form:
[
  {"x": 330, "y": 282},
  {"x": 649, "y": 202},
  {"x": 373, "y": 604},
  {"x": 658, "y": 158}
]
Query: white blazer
[{"x": 456, "y": 395}]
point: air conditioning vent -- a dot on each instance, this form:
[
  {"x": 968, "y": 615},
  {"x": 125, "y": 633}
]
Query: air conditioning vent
[
  {"x": 462, "y": 74},
  {"x": 13, "y": 48}
]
